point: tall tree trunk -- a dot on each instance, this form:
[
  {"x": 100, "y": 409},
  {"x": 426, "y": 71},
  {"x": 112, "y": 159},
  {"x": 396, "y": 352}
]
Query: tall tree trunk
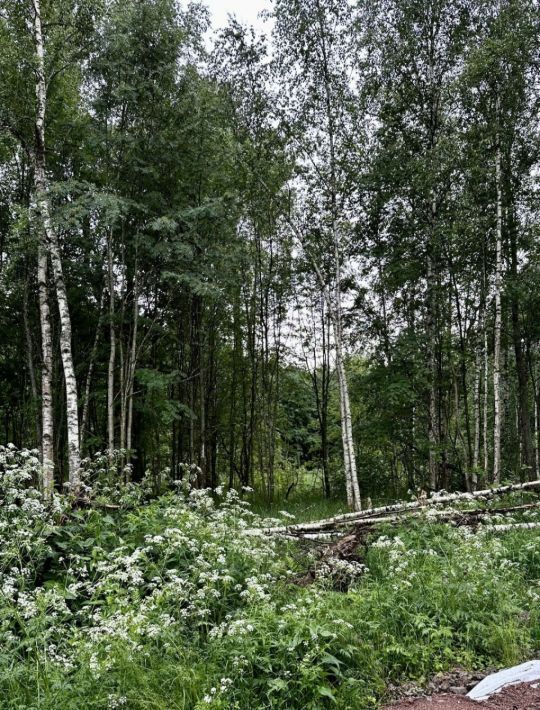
[
  {"x": 536, "y": 432},
  {"x": 47, "y": 417},
  {"x": 464, "y": 379},
  {"x": 122, "y": 389},
  {"x": 485, "y": 425},
  {"x": 351, "y": 476},
  {"x": 536, "y": 404},
  {"x": 536, "y": 435},
  {"x": 202, "y": 417},
  {"x": 89, "y": 374},
  {"x": 349, "y": 456},
  {"x": 322, "y": 392},
  {"x": 476, "y": 395},
  {"x": 30, "y": 362},
  {"x": 132, "y": 361},
  {"x": 53, "y": 248},
  {"x": 524, "y": 424},
  {"x": 112, "y": 352},
  {"x": 235, "y": 360},
  {"x": 498, "y": 321},
  {"x": 433, "y": 421}
]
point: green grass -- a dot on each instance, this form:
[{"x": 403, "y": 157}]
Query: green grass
[{"x": 304, "y": 508}]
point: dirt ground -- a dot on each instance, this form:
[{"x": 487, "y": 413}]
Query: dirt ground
[{"x": 517, "y": 697}]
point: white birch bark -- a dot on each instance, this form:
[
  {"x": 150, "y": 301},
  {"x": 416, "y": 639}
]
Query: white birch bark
[
  {"x": 512, "y": 526},
  {"x": 497, "y": 326},
  {"x": 351, "y": 476},
  {"x": 437, "y": 500},
  {"x": 53, "y": 249},
  {"x": 122, "y": 364},
  {"x": 476, "y": 400},
  {"x": 486, "y": 402},
  {"x": 123, "y": 396},
  {"x": 47, "y": 426}
]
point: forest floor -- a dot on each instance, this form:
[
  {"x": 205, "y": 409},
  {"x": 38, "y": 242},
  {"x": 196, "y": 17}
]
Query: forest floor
[
  {"x": 173, "y": 603},
  {"x": 517, "y": 697},
  {"x": 447, "y": 691}
]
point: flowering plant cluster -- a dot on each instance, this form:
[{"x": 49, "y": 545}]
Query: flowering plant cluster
[{"x": 175, "y": 601}]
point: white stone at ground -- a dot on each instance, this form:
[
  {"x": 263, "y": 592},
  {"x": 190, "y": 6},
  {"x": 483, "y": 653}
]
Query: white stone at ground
[{"x": 524, "y": 673}]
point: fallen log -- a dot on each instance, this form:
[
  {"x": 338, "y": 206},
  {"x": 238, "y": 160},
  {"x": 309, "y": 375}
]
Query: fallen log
[
  {"x": 350, "y": 518},
  {"x": 346, "y": 547},
  {"x": 460, "y": 517},
  {"x": 512, "y": 526}
]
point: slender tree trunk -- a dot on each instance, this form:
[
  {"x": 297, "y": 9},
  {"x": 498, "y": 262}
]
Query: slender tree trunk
[
  {"x": 497, "y": 327},
  {"x": 433, "y": 427},
  {"x": 464, "y": 378},
  {"x": 323, "y": 399},
  {"x": 47, "y": 418},
  {"x": 522, "y": 371},
  {"x": 123, "y": 358},
  {"x": 536, "y": 402},
  {"x": 132, "y": 362},
  {"x": 112, "y": 352},
  {"x": 536, "y": 435},
  {"x": 236, "y": 358},
  {"x": 335, "y": 306},
  {"x": 91, "y": 366},
  {"x": 202, "y": 417},
  {"x": 351, "y": 475},
  {"x": 52, "y": 246},
  {"x": 123, "y": 398},
  {"x": 536, "y": 466},
  {"x": 476, "y": 398},
  {"x": 30, "y": 361},
  {"x": 485, "y": 424}
]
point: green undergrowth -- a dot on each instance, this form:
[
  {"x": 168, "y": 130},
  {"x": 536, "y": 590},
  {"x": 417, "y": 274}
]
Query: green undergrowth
[
  {"x": 300, "y": 508},
  {"x": 174, "y": 603}
]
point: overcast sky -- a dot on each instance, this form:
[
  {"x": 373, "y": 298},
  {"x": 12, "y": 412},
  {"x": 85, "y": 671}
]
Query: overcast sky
[{"x": 245, "y": 10}]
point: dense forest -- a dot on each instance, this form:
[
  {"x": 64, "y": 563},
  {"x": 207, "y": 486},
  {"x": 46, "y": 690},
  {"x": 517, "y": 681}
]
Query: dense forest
[
  {"x": 307, "y": 256},
  {"x": 270, "y": 354}
]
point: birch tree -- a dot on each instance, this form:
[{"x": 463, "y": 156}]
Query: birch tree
[
  {"x": 51, "y": 249},
  {"x": 313, "y": 38},
  {"x": 418, "y": 50},
  {"x": 500, "y": 71}
]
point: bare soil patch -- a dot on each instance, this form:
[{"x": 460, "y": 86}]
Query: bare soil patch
[{"x": 515, "y": 697}]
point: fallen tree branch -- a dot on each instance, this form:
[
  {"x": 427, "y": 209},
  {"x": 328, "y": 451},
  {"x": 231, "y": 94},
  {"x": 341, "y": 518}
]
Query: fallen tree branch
[
  {"x": 473, "y": 517},
  {"x": 346, "y": 547},
  {"x": 351, "y": 518},
  {"x": 512, "y": 526}
]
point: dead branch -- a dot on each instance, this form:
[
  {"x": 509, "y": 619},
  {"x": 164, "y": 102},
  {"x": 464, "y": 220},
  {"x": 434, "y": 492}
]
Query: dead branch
[{"x": 351, "y": 518}]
